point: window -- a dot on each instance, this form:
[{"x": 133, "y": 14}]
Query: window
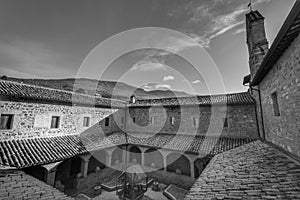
[
  {"x": 133, "y": 119},
  {"x": 106, "y": 122},
  {"x": 275, "y": 104},
  {"x": 225, "y": 122},
  {"x": 86, "y": 122},
  {"x": 172, "y": 120},
  {"x": 195, "y": 121},
  {"x": 55, "y": 122},
  {"x": 6, "y": 122}
]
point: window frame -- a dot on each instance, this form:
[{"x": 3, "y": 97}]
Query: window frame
[
  {"x": 58, "y": 122},
  {"x": 225, "y": 122},
  {"x": 88, "y": 121},
  {"x": 11, "y": 121},
  {"x": 275, "y": 102},
  {"x": 106, "y": 121}
]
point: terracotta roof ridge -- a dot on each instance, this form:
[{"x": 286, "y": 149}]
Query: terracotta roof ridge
[
  {"x": 197, "y": 96},
  {"x": 59, "y": 90}
]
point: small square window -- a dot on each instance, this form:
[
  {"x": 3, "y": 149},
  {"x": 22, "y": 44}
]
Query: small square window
[
  {"x": 6, "y": 122},
  {"x": 106, "y": 122},
  {"x": 275, "y": 104},
  {"x": 55, "y": 122},
  {"x": 225, "y": 122},
  {"x": 86, "y": 122}
]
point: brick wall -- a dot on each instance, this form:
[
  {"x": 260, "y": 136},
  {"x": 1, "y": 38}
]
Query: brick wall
[
  {"x": 284, "y": 78},
  {"x": 27, "y": 125},
  {"x": 241, "y": 120}
]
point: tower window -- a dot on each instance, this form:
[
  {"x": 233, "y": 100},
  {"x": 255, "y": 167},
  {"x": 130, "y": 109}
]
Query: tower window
[
  {"x": 55, "y": 122},
  {"x": 172, "y": 120},
  {"x": 6, "y": 122},
  {"x": 133, "y": 119},
  {"x": 86, "y": 122},
  {"x": 274, "y": 97},
  {"x": 106, "y": 122},
  {"x": 225, "y": 123}
]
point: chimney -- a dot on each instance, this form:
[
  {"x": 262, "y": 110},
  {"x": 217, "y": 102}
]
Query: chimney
[{"x": 258, "y": 45}]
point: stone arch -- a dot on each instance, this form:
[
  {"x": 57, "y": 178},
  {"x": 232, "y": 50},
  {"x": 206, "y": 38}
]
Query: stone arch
[
  {"x": 178, "y": 163},
  {"x": 117, "y": 156},
  {"x": 153, "y": 158},
  {"x": 200, "y": 164},
  {"x": 98, "y": 159},
  {"x": 135, "y": 155},
  {"x": 68, "y": 170}
]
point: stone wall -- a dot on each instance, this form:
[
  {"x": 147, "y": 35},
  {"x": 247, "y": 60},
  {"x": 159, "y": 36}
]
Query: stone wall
[
  {"x": 194, "y": 119},
  {"x": 284, "y": 78},
  {"x": 34, "y": 119}
]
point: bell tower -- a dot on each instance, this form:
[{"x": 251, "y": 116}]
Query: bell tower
[{"x": 258, "y": 45}]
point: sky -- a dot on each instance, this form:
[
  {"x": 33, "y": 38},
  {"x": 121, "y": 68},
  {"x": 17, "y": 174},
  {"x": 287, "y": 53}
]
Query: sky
[{"x": 196, "y": 46}]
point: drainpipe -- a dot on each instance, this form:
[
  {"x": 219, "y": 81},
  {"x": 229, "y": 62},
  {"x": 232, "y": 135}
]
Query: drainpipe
[{"x": 261, "y": 112}]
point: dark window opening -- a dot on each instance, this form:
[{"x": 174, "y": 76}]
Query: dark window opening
[
  {"x": 225, "y": 123},
  {"x": 106, "y": 121},
  {"x": 86, "y": 122},
  {"x": 55, "y": 122},
  {"x": 6, "y": 122},
  {"x": 275, "y": 104},
  {"x": 133, "y": 119}
]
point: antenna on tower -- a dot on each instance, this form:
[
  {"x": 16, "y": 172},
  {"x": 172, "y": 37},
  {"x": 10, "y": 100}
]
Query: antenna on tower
[{"x": 250, "y": 5}]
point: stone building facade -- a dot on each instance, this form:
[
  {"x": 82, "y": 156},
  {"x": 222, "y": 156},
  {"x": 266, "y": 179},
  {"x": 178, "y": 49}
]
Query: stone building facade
[
  {"x": 31, "y": 120},
  {"x": 237, "y": 121},
  {"x": 275, "y": 83}
]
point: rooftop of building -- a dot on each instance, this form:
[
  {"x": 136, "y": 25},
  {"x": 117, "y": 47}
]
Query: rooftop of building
[
  {"x": 287, "y": 34},
  {"x": 252, "y": 171},
  {"x": 22, "y": 153},
  {"x": 24, "y": 92},
  {"x": 15, "y": 184},
  {"x": 222, "y": 99}
]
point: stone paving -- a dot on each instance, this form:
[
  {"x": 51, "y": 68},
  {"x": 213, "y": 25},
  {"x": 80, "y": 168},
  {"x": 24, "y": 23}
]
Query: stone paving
[{"x": 252, "y": 171}]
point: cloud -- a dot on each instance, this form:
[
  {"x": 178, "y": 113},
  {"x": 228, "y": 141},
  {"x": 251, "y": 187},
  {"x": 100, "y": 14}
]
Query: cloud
[
  {"x": 144, "y": 67},
  {"x": 156, "y": 86},
  {"x": 208, "y": 19},
  {"x": 196, "y": 82},
  {"x": 240, "y": 30},
  {"x": 168, "y": 78}
]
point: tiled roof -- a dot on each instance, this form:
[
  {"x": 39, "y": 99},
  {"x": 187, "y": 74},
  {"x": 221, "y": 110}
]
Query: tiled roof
[
  {"x": 33, "y": 92},
  {"x": 229, "y": 99},
  {"x": 187, "y": 143},
  {"x": 15, "y": 184},
  {"x": 252, "y": 171},
  {"x": 287, "y": 34},
  {"x": 29, "y": 152}
]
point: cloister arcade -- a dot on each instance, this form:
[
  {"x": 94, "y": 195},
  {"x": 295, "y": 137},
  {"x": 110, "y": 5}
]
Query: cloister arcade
[{"x": 159, "y": 159}]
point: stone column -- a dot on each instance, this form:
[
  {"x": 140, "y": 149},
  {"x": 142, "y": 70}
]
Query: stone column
[
  {"x": 192, "y": 166},
  {"x": 50, "y": 179},
  {"x": 109, "y": 157},
  {"x": 85, "y": 164},
  {"x": 143, "y": 156}
]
